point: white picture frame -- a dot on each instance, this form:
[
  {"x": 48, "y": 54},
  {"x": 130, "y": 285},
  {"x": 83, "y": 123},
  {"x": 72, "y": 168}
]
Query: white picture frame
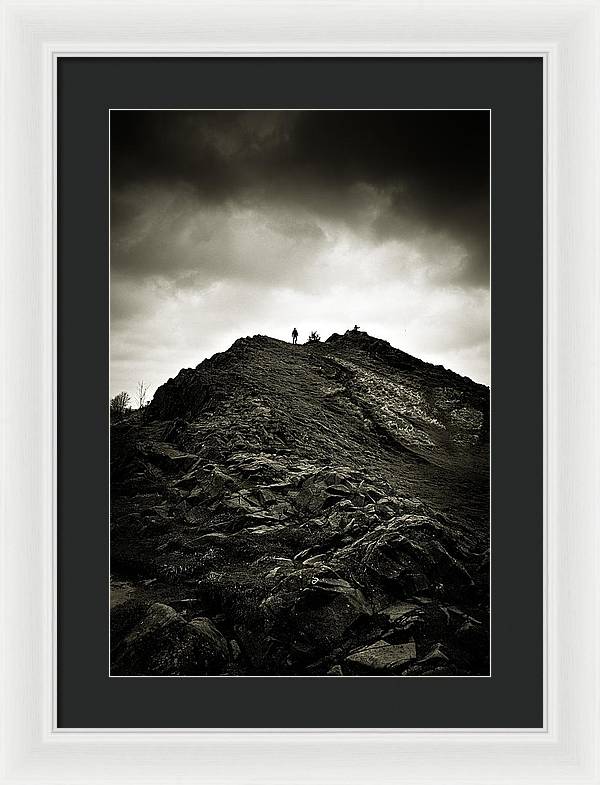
[{"x": 566, "y": 34}]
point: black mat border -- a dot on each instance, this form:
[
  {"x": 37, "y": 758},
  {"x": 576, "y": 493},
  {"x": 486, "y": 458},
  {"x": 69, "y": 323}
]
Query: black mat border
[{"x": 513, "y": 89}]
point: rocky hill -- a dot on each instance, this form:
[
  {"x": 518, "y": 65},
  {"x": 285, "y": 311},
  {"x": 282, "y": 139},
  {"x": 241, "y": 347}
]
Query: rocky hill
[{"x": 319, "y": 509}]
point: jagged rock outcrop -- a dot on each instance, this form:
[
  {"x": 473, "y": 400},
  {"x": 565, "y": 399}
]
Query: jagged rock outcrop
[{"x": 324, "y": 507}]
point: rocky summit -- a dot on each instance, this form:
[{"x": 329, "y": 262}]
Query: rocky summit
[{"x": 318, "y": 510}]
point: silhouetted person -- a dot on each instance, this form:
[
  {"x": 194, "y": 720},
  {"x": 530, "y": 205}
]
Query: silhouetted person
[
  {"x": 294, "y": 335},
  {"x": 356, "y": 328}
]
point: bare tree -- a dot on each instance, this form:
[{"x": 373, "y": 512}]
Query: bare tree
[
  {"x": 119, "y": 404},
  {"x": 141, "y": 393}
]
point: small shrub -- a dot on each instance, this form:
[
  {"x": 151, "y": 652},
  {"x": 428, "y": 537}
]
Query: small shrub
[
  {"x": 314, "y": 337},
  {"x": 119, "y": 405}
]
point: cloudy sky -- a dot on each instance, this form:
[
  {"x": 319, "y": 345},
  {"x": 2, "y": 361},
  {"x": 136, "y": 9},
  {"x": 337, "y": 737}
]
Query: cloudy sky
[{"x": 232, "y": 223}]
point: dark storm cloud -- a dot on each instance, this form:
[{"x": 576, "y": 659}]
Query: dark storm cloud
[
  {"x": 426, "y": 171},
  {"x": 230, "y": 223}
]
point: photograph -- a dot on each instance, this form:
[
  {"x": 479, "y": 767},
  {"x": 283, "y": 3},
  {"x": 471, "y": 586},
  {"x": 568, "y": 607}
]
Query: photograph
[{"x": 299, "y": 399}]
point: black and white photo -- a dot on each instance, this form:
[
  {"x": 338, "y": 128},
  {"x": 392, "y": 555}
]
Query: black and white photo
[{"x": 300, "y": 393}]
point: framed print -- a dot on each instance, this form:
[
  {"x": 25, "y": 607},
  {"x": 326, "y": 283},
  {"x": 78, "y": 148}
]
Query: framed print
[
  {"x": 299, "y": 476},
  {"x": 315, "y": 511}
]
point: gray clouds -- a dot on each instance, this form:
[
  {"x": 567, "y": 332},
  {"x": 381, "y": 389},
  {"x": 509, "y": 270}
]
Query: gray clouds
[{"x": 230, "y": 223}]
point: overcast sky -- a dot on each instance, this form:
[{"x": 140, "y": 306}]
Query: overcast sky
[{"x": 232, "y": 223}]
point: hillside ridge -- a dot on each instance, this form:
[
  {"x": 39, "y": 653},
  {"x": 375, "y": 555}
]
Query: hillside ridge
[
  {"x": 310, "y": 509},
  {"x": 355, "y": 339}
]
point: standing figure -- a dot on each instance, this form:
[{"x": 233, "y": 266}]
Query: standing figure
[{"x": 294, "y": 335}]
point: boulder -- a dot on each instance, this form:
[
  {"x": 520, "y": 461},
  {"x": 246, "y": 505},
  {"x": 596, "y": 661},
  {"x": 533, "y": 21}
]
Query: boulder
[
  {"x": 240, "y": 502},
  {"x": 312, "y": 497},
  {"x": 400, "y": 609},
  {"x": 312, "y": 615},
  {"x": 207, "y": 486},
  {"x": 382, "y": 657},
  {"x": 263, "y": 466},
  {"x": 210, "y": 646},
  {"x": 411, "y": 559},
  {"x": 163, "y": 643},
  {"x": 168, "y": 458},
  {"x": 263, "y": 529},
  {"x": 435, "y": 657}
]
